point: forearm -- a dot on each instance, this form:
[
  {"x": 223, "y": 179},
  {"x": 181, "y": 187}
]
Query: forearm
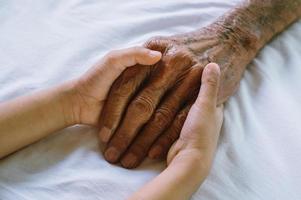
[
  {"x": 249, "y": 27},
  {"x": 255, "y": 22},
  {"x": 27, "y": 119},
  {"x": 235, "y": 38},
  {"x": 250, "y": 24}
]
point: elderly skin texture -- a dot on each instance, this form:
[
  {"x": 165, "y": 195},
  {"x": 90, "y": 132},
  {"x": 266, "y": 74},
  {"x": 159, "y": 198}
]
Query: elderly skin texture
[{"x": 147, "y": 105}]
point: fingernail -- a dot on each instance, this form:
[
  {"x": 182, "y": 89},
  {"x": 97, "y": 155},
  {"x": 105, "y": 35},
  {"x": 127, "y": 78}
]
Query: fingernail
[
  {"x": 112, "y": 154},
  {"x": 213, "y": 68},
  {"x": 155, "y": 54},
  {"x": 105, "y": 134},
  {"x": 155, "y": 152},
  {"x": 129, "y": 161}
]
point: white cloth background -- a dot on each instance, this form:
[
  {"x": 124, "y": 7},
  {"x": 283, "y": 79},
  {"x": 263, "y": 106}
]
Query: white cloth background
[{"x": 43, "y": 43}]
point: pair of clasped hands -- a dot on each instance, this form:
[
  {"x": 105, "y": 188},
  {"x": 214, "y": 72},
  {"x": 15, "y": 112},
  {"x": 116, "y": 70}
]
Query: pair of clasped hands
[
  {"x": 125, "y": 110},
  {"x": 138, "y": 99}
]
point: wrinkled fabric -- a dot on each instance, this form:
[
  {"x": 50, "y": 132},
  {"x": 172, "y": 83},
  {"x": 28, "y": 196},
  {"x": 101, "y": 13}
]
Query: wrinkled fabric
[{"x": 44, "y": 43}]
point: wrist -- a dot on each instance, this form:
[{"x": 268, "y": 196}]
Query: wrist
[
  {"x": 186, "y": 173},
  {"x": 224, "y": 33},
  {"x": 254, "y": 23},
  {"x": 237, "y": 27},
  {"x": 67, "y": 103}
]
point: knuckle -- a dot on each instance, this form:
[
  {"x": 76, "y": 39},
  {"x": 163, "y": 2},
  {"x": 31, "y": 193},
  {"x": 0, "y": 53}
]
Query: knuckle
[
  {"x": 143, "y": 107},
  {"x": 178, "y": 58},
  {"x": 157, "y": 43},
  {"x": 162, "y": 118},
  {"x": 211, "y": 81},
  {"x": 137, "y": 49},
  {"x": 129, "y": 82},
  {"x": 154, "y": 39},
  {"x": 112, "y": 56},
  {"x": 120, "y": 90}
]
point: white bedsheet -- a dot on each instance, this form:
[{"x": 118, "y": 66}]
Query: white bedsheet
[{"x": 43, "y": 43}]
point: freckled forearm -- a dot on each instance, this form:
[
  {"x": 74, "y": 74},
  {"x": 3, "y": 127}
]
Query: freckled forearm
[
  {"x": 235, "y": 38},
  {"x": 250, "y": 24},
  {"x": 255, "y": 22}
]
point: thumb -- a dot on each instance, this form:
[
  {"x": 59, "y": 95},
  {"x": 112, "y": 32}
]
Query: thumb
[
  {"x": 107, "y": 70},
  {"x": 124, "y": 58},
  {"x": 209, "y": 86},
  {"x": 115, "y": 62}
]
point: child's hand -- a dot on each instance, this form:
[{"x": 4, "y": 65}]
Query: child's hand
[{"x": 92, "y": 88}]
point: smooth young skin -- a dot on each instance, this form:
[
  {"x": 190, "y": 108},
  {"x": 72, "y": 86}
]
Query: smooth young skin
[{"x": 27, "y": 119}]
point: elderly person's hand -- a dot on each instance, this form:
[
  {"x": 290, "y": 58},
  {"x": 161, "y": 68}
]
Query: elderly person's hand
[
  {"x": 189, "y": 159},
  {"x": 144, "y": 107},
  {"x": 143, "y": 103}
]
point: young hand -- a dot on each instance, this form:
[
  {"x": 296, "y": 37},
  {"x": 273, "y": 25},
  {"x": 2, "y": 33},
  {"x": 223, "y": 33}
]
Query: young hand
[
  {"x": 199, "y": 135},
  {"x": 29, "y": 118}
]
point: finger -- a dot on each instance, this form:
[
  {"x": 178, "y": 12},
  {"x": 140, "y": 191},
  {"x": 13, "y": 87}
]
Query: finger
[
  {"x": 145, "y": 103},
  {"x": 121, "y": 59},
  {"x": 122, "y": 90},
  {"x": 161, "y": 119},
  {"x": 115, "y": 62},
  {"x": 220, "y": 115},
  {"x": 140, "y": 146},
  {"x": 161, "y": 147},
  {"x": 209, "y": 88}
]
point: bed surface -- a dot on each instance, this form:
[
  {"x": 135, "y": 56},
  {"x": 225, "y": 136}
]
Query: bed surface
[{"x": 43, "y": 43}]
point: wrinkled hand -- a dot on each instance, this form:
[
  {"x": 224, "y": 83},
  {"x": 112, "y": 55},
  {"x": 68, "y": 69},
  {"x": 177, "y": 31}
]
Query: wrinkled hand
[
  {"x": 146, "y": 107},
  {"x": 190, "y": 158}
]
